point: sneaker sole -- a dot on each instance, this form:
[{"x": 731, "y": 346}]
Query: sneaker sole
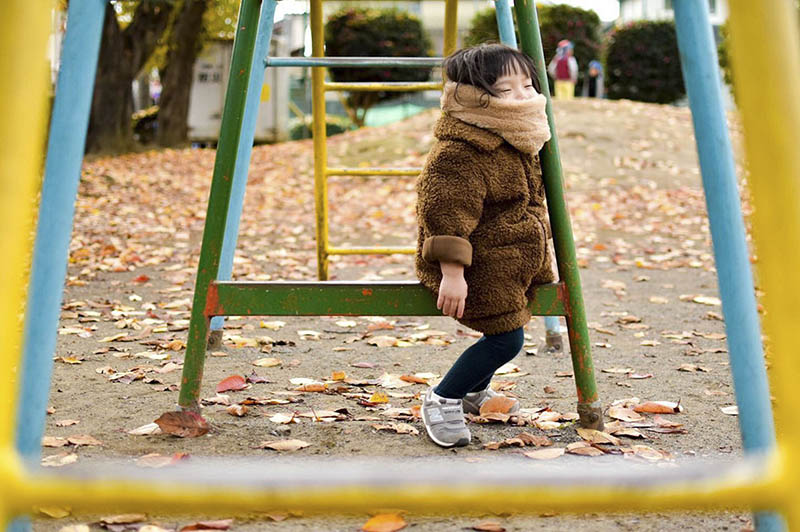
[{"x": 463, "y": 442}]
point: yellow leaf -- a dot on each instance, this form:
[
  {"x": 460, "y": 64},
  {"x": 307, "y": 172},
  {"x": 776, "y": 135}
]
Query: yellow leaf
[
  {"x": 385, "y": 523},
  {"x": 379, "y": 397}
]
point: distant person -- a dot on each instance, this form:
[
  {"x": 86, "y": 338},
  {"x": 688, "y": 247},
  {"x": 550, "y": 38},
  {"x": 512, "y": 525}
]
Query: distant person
[
  {"x": 483, "y": 225},
  {"x": 564, "y": 69},
  {"x": 593, "y": 84}
]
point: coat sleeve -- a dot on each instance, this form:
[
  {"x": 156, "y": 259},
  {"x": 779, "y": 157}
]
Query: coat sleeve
[
  {"x": 538, "y": 197},
  {"x": 450, "y": 195}
]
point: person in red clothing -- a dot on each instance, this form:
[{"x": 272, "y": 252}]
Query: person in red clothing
[{"x": 564, "y": 69}]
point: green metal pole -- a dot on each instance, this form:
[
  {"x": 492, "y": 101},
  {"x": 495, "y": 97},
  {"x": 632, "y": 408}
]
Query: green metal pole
[
  {"x": 219, "y": 198},
  {"x": 589, "y": 407}
]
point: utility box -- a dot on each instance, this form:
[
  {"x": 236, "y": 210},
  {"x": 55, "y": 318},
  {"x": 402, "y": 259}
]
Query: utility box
[{"x": 207, "y": 99}]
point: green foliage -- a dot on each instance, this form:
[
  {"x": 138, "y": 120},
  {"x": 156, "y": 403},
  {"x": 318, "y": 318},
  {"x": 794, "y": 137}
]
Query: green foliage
[
  {"x": 643, "y": 63},
  {"x": 220, "y": 19},
  {"x": 556, "y": 22},
  {"x": 375, "y": 33},
  {"x": 334, "y": 124},
  {"x": 722, "y": 54}
]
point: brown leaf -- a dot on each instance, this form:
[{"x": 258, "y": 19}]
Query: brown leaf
[
  {"x": 84, "y": 439},
  {"x": 237, "y": 410},
  {"x": 624, "y": 414},
  {"x": 399, "y": 428},
  {"x": 596, "y": 436},
  {"x": 414, "y": 379},
  {"x": 497, "y": 405},
  {"x": 283, "y": 445},
  {"x": 58, "y": 460},
  {"x": 222, "y": 524},
  {"x": 385, "y": 523},
  {"x": 232, "y": 383},
  {"x": 54, "y": 441},
  {"x": 183, "y": 424},
  {"x": 658, "y": 407},
  {"x": 122, "y": 519},
  {"x": 548, "y": 453},
  {"x": 268, "y": 362},
  {"x": 531, "y": 439},
  {"x": 67, "y": 422},
  {"x": 583, "y": 448},
  {"x": 488, "y": 526},
  {"x": 312, "y": 388}
]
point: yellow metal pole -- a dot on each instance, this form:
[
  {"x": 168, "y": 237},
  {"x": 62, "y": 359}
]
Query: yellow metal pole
[
  {"x": 766, "y": 66},
  {"x": 450, "y": 26},
  {"x": 23, "y": 107},
  {"x": 734, "y": 489},
  {"x": 320, "y": 146}
]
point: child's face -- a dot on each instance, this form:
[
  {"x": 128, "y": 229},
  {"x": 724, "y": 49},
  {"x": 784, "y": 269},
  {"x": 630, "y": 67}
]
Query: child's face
[{"x": 514, "y": 86}]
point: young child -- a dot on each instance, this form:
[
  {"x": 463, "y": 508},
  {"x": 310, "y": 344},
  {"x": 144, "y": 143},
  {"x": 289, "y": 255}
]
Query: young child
[{"x": 483, "y": 225}]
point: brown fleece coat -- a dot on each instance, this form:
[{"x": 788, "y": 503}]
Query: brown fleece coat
[{"x": 481, "y": 203}]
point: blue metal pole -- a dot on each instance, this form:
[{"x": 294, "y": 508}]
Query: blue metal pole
[
  {"x": 505, "y": 23},
  {"x": 66, "y": 144},
  {"x": 265, "y": 23},
  {"x": 505, "y": 27},
  {"x": 702, "y": 78}
]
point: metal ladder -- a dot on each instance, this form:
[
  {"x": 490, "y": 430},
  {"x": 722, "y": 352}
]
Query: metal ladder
[{"x": 215, "y": 296}]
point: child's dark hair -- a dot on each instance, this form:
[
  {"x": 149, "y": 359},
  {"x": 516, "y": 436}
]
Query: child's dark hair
[{"x": 481, "y": 65}]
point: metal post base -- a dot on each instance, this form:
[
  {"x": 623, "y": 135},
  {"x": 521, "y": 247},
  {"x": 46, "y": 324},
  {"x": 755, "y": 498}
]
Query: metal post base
[
  {"x": 591, "y": 415},
  {"x": 554, "y": 343},
  {"x": 215, "y": 339}
]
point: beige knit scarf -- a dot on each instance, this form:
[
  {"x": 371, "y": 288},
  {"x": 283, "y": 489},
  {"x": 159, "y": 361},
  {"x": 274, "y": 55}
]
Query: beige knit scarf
[{"x": 522, "y": 123}]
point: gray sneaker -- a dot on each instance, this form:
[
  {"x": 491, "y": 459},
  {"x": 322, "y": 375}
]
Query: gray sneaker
[
  {"x": 444, "y": 421},
  {"x": 473, "y": 401}
]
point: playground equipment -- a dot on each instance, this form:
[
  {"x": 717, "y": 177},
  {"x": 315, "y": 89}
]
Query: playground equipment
[
  {"x": 767, "y": 479},
  {"x": 214, "y": 298}
]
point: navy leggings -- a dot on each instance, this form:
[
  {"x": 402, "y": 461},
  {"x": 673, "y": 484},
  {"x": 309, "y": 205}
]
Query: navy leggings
[{"x": 474, "y": 369}]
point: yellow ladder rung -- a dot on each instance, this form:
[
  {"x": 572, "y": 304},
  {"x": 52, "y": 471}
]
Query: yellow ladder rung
[
  {"x": 387, "y": 250},
  {"x": 384, "y": 86},
  {"x": 373, "y": 171}
]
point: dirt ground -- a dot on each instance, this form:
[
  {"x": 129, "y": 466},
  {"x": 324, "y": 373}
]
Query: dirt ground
[{"x": 638, "y": 214}]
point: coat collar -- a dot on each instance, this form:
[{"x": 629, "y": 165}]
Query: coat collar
[{"x": 449, "y": 128}]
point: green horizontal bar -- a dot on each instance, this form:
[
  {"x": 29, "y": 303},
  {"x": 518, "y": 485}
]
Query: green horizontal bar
[
  {"x": 373, "y": 171},
  {"x": 384, "y": 86},
  {"x": 378, "y": 250},
  {"x": 399, "y": 62},
  {"x": 345, "y": 298}
]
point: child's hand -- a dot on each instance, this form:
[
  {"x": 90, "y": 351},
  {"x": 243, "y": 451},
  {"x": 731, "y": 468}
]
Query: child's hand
[{"x": 452, "y": 290}]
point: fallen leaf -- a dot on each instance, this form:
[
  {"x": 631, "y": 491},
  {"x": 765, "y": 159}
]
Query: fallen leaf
[
  {"x": 384, "y": 523},
  {"x": 378, "y": 397},
  {"x": 383, "y": 341},
  {"x": 84, "y": 439},
  {"x": 392, "y": 381},
  {"x": 232, "y": 383},
  {"x": 272, "y": 325},
  {"x": 237, "y": 410},
  {"x": 312, "y": 388},
  {"x": 413, "y": 379},
  {"x": 497, "y": 405},
  {"x": 658, "y": 407},
  {"x": 346, "y": 323},
  {"x": 222, "y": 524},
  {"x": 488, "y": 526},
  {"x": 268, "y": 362},
  {"x": 56, "y": 512},
  {"x": 54, "y": 441},
  {"x": 367, "y": 365},
  {"x": 144, "y": 430},
  {"x": 184, "y": 424},
  {"x": 338, "y": 376},
  {"x": 284, "y": 445},
  {"x": 399, "y": 428},
  {"x": 155, "y": 460},
  {"x": 122, "y": 519},
  {"x": 707, "y": 300},
  {"x": 58, "y": 460},
  {"x": 730, "y": 410},
  {"x": 597, "y": 436},
  {"x": 624, "y": 414},
  {"x": 617, "y": 370},
  {"x": 545, "y": 454},
  {"x": 583, "y": 448},
  {"x": 76, "y": 528},
  {"x": 507, "y": 369}
]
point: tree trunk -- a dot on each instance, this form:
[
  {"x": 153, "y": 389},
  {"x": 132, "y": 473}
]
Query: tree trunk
[
  {"x": 122, "y": 56},
  {"x": 184, "y": 45}
]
